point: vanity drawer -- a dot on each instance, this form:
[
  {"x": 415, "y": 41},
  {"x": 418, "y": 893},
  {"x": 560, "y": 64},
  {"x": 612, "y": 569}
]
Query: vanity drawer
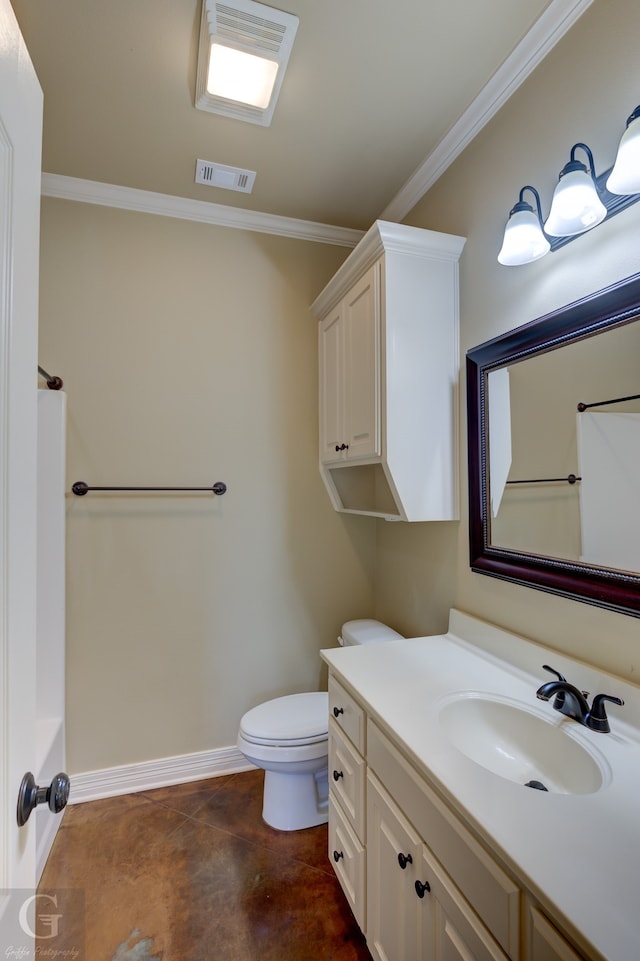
[
  {"x": 347, "y": 771},
  {"x": 348, "y": 861},
  {"x": 347, "y": 714},
  {"x": 487, "y": 888}
]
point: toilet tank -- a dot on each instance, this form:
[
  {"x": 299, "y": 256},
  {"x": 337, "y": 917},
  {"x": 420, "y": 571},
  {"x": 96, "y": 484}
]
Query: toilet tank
[{"x": 366, "y": 631}]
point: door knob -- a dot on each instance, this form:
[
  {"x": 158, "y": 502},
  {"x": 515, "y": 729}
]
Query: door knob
[{"x": 30, "y": 795}]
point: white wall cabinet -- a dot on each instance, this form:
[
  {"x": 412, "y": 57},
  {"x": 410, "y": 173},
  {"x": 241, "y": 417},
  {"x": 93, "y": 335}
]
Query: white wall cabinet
[
  {"x": 388, "y": 376},
  {"x": 349, "y": 345},
  {"x": 420, "y": 885}
]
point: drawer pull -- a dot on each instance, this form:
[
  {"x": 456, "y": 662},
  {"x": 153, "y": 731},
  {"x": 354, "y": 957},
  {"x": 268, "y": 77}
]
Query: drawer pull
[
  {"x": 404, "y": 859},
  {"x": 337, "y": 711},
  {"x": 337, "y": 775},
  {"x": 337, "y": 855},
  {"x": 421, "y": 888}
]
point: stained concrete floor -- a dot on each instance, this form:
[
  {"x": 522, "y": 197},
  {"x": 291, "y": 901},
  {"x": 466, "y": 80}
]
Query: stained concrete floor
[{"x": 192, "y": 873}]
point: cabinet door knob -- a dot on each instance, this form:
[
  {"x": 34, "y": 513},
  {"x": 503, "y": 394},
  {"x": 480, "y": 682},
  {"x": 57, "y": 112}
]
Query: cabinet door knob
[
  {"x": 337, "y": 855},
  {"x": 404, "y": 859},
  {"x": 337, "y": 711},
  {"x": 337, "y": 775},
  {"x": 421, "y": 888}
]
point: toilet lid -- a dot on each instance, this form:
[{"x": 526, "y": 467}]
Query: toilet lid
[{"x": 294, "y": 719}]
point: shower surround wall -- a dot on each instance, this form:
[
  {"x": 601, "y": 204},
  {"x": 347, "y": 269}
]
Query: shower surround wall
[
  {"x": 189, "y": 356},
  {"x": 50, "y": 609}
]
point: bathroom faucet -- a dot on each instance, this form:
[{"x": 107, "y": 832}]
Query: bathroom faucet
[{"x": 573, "y": 703}]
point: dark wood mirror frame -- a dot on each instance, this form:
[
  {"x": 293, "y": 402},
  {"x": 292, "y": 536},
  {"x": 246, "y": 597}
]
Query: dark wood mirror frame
[{"x": 601, "y": 586}]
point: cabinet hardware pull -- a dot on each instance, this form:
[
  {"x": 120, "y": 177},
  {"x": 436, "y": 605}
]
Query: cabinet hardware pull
[
  {"x": 404, "y": 859},
  {"x": 337, "y": 855},
  {"x": 337, "y": 775},
  {"x": 340, "y": 447},
  {"x": 421, "y": 888},
  {"x": 337, "y": 711}
]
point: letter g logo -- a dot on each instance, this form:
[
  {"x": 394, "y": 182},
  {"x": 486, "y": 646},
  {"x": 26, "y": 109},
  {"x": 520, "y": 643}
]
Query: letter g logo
[{"x": 51, "y": 920}]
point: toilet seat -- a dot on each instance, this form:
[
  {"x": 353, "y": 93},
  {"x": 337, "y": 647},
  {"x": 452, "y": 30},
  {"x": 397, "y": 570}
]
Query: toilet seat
[{"x": 290, "y": 721}]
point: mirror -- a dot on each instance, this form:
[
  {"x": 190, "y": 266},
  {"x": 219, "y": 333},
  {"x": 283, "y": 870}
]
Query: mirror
[{"x": 554, "y": 451}]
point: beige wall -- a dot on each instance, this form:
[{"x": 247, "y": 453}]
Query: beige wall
[
  {"x": 583, "y": 91},
  {"x": 189, "y": 355}
]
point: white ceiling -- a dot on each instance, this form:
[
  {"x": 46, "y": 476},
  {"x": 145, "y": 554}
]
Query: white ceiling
[{"x": 377, "y": 92}]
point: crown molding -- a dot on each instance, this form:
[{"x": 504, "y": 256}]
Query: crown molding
[
  {"x": 385, "y": 237},
  {"x": 556, "y": 20},
  {"x": 181, "y": 208}
]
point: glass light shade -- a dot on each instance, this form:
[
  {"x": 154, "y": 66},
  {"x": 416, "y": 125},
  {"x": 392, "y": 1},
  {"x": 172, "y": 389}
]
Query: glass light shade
[
  {"x": 236, "y": 75},
  {"x": 523, "y": 241},
  {"x": 576, "y": 206},
  {"x": 625, "y": 176}
]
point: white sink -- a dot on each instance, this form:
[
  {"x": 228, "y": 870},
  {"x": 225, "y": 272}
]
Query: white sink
[{"x": 517, "y": 744}]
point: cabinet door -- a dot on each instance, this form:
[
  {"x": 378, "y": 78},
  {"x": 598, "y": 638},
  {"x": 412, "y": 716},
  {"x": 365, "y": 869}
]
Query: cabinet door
[
  {"x": 362, "y": 321},
  {"x": 451, "y": 930},
  {"x": 347, "y": 777},
  {"x": 331, "y": 366},
  {"x": 393, "y": 925},
  {"x": 545, "y": 941},
  {"x": 348, "y": 861}
]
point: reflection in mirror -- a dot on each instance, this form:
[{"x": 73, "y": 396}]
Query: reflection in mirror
[
  {"x": 554, "y": 489},
  {"x": 596, "y": 518}
]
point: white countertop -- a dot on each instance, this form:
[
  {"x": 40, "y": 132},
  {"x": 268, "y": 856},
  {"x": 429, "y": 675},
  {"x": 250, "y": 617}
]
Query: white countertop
[{"x": 577, "y": 853}]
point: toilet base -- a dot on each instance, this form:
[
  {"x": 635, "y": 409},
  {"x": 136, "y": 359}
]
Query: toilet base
[{"x": 292, "y": 802}]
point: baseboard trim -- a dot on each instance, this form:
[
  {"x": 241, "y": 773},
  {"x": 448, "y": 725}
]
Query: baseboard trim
[{"x": 131, "y": 778}]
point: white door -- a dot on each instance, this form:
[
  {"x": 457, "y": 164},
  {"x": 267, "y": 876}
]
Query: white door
[{"x": 20, "y": 162}]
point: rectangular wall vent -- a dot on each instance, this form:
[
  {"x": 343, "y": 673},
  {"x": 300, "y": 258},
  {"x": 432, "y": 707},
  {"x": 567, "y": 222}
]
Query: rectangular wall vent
[{"x": 228, "y": 178}]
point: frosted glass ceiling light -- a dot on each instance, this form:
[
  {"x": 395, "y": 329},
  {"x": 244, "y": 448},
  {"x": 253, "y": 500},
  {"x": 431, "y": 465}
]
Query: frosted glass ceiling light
[
  {"x": 243, "y": 53},
  {"x": 576, "y": 206},
  {"x": 625, "y": 176},
  {"x": 236, "y": 75},
  {"x": 524, "y": 240}
]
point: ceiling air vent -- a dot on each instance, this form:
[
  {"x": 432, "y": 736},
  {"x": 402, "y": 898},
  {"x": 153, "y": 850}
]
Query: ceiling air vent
[
  {"x": 220, "y": 175},
  {"x": 250, "y": 28}
]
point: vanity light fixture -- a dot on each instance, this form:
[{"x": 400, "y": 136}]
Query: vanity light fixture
[
  {"x": 580, "y": 202},
  {"x": 524, "y": 239},
  {"x": 242, "y": 56},
  {"x": 576, "y": 206},
  {"x": 625, "y": 176}
]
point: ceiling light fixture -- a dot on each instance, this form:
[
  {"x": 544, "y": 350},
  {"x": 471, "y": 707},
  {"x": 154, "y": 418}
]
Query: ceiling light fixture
[
  {"x": 580, "y": 202},
  {"x": 243, "y": 53}
]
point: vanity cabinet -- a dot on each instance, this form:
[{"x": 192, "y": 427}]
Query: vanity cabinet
[
  {"x": 347, "y": 771},
  {"x": 415, "y": 910},
  {"x": 420, "y": 884},
  {"x": 388, "y": 376}
]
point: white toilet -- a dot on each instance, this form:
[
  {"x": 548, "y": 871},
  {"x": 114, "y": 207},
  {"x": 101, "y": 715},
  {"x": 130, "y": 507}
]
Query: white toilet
[{"x": 288, "y": 738}]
